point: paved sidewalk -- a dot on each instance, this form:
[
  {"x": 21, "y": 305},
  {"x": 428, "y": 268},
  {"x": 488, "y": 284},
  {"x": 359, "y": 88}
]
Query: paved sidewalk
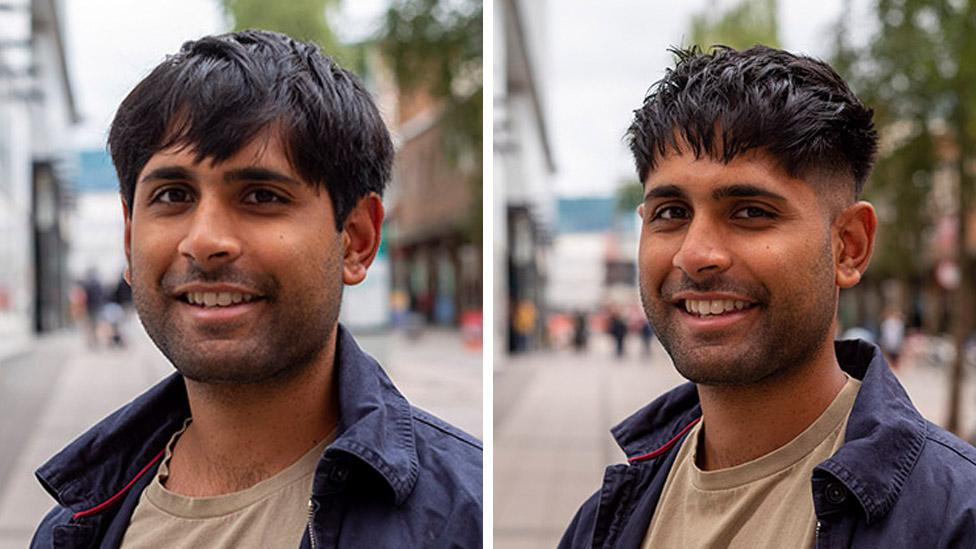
[
  {"x": 80, "y": 386},
  {"x": 553, "y": 412}
]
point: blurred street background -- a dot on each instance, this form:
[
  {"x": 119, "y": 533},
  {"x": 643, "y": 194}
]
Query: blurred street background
[
  {"x": 567, "y": 77},
  {"x": 70, "y": 348}
]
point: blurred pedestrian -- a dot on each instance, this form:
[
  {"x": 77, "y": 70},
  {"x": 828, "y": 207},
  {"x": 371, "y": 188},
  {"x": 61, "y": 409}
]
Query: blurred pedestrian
[
  {"x": 618, "y": 330},
  {"x": 114, "y": 313},
  {"x": 524, "y": 324},
  {"x": 94, "y": 300},
  {"x": 646, "y": 335},
  {"x": 892, "y": 335},
  {"x": 581, "y": 331}
]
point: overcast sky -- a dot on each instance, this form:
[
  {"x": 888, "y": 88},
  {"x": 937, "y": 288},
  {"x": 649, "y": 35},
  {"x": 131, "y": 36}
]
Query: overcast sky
[
  {"x": 112, "y": 44},
  {"x": 601, "y": 57}
]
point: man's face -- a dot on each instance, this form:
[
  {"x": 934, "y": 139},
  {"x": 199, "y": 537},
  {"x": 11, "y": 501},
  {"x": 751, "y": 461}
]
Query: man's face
[
  {"x": 236, "y": 268},
  {"x": 736, "y": 267}
]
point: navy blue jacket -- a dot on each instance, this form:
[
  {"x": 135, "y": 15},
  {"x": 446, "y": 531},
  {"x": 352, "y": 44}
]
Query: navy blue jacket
[
  {"x": 898, "y": 480},
  {"x": 394, "y": 477}
]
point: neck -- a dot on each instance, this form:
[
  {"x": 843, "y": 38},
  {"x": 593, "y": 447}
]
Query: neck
[
  {"x": 243, "y": 434},
  {"x": 743, "y": 423}
]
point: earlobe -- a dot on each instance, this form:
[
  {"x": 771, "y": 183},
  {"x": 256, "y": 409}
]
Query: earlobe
[
  {"x": 361, "y": 235},
  {"x": 854, "y": 230}
]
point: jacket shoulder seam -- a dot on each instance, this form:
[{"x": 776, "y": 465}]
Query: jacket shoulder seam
[
  {"x": 422, "y": 417},
  {"x": 935, "y": 437}
]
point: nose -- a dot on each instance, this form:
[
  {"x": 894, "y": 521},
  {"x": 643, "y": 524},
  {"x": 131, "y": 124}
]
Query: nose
[
  {"x": 211, "y": 240},
  {"x": 704, "y": 251}
]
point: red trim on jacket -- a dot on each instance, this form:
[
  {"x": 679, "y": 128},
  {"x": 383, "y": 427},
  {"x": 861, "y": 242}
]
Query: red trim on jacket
[
  {"x": 667, "y": 445},
  {"x": 101, "y": 506}
]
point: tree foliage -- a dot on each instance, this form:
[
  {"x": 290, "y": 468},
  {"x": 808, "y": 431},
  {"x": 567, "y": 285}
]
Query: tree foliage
[
  {"x": 917, "y": 71},
  {"x": 305, "y": 20},
  {"x": 917, "y": 75},
  {"x": 630, "y": 193},
  {"x": 435, "y": 47},
  {"x": 745, "y": 24}
]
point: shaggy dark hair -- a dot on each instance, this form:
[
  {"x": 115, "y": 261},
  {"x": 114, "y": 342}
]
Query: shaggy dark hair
[
  {"x": 727, "y": 102},
  {"x": 219, "y": 92}
]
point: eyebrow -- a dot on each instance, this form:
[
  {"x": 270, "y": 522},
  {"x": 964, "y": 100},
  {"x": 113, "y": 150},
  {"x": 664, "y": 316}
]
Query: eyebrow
[
  {"x": 258, "y": 174},
  {"x": 738, "y": 190},
  {"x": 179, "y": 173},
  {"x": 744, "y": 190},
  {"x": 168, "y": 173}
]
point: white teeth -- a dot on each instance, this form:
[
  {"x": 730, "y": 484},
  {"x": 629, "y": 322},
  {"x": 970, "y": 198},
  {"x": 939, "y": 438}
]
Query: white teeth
[
  {"x": 217, "y": 299},
  {"x": 714, "y": 306}
]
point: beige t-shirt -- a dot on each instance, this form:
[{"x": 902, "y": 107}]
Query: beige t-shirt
[
  {"x": 765, "y": 502},
  {"x": 273, "y": 513}
]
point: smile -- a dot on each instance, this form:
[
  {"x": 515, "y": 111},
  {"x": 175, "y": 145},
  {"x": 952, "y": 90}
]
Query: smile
[
  {"x": 217, "y": 299},
  {"x": 709, "y": 307}
]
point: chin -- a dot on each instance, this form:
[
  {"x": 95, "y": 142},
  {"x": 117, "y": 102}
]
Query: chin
[{"x": 722, "y": 367}]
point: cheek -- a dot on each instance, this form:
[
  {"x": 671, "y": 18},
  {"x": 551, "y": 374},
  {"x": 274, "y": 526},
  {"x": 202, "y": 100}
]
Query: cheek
[
  {"x": 151, "y": 251},
  {"x": 655, "y": 258}
]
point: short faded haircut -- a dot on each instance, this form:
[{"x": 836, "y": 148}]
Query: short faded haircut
[{"x": 725, "y": 103}]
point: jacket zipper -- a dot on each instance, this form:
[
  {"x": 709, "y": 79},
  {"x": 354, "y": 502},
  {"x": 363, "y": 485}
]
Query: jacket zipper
[
  {"x": 311, "y": 531},
  {"x": 816, "y": 535}
]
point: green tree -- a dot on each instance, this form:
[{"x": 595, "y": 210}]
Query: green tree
[
  {"x": 746, "y": 24},
  {"x": 305, "y": 20},
  {"x": 917, "y": 73},
  {"x": 630, "y": 193},
  {"x": 435, "y": 47}
]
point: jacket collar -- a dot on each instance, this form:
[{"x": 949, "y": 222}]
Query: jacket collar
[
  {"x": 375, "y": 427},
  {"x": 885, "y": 433},
  {"x": 375, "y": 420},
  {"x": 883, "y": 440}
]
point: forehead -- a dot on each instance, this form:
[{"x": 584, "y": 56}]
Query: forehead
[
  {"x": 706, "y": 178},
  {"x": 267, "y": 150}
]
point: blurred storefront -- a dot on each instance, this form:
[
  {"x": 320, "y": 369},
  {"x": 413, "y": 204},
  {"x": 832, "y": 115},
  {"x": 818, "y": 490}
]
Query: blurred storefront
[
  {"x": 435, "y": 248},
  {"x": 524, "y": 203},
  {"x": 36, "y": 108}
]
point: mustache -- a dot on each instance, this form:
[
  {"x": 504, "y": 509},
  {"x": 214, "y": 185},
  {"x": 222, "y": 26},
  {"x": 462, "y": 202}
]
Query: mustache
[
  {"x": 264, "y": 285},
  {"x": 754, "y": 291}
]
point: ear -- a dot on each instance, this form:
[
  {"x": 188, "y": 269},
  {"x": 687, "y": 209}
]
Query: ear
[
  {"x": 853, "y": 230},
  {"x": 127, "y": 219},
  {"x": 361, "y": 235}
]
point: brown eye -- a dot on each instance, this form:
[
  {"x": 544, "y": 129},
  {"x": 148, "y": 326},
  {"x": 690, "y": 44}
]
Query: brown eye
[
  {"x": 264, "y": 196},
  {"x": 172, "y": 195},
  {"x": 669, "y": 213},
  {"x": 753, "y": 212}
]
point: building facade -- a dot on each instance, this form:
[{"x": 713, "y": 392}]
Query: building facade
[
  {"x": 524, "y": 203},
  {"x": 36, "y": 109}
]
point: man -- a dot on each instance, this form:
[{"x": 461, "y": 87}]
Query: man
[
  {"x": 752, "y": 163},
  {"x": 251, "y": 168}
]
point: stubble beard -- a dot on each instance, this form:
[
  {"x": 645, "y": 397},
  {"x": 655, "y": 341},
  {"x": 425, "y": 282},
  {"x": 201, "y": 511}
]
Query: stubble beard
[
  {"x": 291, "y": 336},
  {"x": 792, "y": 331}
]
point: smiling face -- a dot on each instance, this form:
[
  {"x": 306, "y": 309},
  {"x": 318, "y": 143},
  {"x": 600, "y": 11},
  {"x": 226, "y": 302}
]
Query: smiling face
[
  {"x": 737, "y": 268},
  {"x": 236, "y": 268}
]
